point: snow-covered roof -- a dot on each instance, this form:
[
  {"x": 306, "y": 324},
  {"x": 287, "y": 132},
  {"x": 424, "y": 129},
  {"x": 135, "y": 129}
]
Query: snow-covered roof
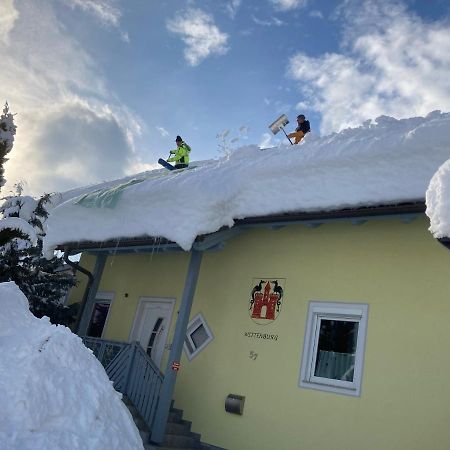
[{"x": 386, "y": 161}]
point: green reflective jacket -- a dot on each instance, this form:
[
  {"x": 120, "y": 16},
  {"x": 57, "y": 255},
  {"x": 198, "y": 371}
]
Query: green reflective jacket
[{"x": 181, "y": 154}]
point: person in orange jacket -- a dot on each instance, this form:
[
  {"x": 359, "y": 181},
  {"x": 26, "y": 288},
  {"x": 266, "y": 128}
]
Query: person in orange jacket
[{"x": 301, "y": 130}]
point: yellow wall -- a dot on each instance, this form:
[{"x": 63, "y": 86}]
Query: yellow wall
[
  {"x": 131, "y": 277},
  {"x": 398, "y": 269}
]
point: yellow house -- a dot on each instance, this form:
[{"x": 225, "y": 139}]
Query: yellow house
[
  {"x": 313, "y": 328},
  {"x": 379, "y": 287}
]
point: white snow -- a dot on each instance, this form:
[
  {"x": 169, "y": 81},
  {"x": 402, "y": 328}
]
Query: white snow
[
  {"x": 21, "y": 225},
  {"x": 54, "y": 394},
  {"x": 438, "y": 202},
  {"x": 7, "y": 128},
  {"x": 387, "y": 161},
  {"x": 21, "y": 205}
]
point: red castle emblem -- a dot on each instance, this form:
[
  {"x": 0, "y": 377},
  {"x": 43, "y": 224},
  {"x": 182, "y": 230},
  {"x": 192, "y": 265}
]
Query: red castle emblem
[{"x": 265, "y": 302}]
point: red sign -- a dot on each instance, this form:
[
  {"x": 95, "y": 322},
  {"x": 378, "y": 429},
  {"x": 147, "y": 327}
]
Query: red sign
[
  {"x": 265, "y": 301},
  {"x": 176, "y": 366}
]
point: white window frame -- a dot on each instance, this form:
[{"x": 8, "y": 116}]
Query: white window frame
[
  {"x": 349, "y": 312},
  {"x": 192, "y": 326},
  {"x": 101, "y": 297}
]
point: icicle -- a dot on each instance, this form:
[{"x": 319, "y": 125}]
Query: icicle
[{"x": 114, "y": 253}]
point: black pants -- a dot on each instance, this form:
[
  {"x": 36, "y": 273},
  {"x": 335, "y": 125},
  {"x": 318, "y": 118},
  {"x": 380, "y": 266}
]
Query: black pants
[{"x": 180, "y": 166}]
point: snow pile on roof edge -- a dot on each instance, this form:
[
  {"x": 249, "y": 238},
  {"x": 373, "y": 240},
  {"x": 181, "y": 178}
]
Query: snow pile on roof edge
[
  {"x": 54, "y": 393},
  {"x": 387, "y": 161},
  {"x": 438, "y": 202}
]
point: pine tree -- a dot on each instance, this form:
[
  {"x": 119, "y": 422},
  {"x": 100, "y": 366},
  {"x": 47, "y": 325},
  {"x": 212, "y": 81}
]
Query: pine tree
[
  {"x": 11, "y": 228},
  {"x": 7, "y": 132},
  {"x": 43, "y": 281}
]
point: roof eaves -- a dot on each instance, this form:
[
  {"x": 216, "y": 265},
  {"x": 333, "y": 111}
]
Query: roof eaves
[{"x": 406, "y": 211}]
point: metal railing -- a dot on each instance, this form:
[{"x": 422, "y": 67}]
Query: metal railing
[
  {"x": 132, "y": 372},
  {"x": 105, "y": 351}
]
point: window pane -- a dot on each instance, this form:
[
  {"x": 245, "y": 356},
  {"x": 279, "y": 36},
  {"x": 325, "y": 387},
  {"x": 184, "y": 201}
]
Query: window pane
[
  {"x": 199, "y": 336},
  {"x": 98, "y": 319},
  {"x": 189, "y": 346},
  {"x": 336, "y": 350},
  {"x": 155, "y": 331}
]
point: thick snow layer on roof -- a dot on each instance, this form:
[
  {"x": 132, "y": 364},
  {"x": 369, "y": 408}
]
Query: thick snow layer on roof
[
  {"x": 387, "y": 161},
  {"x": 438, "y": 202},
  {"x": 54, "y": 393}
]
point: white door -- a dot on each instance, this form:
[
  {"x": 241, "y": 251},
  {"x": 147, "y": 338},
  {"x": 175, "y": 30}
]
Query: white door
[{"x": 151, "y": 327}]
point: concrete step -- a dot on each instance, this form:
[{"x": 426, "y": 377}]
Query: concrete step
[
  {"x": 173, "y": 440},
  {"x": 183, "y": 427},
  {"x": 175, "y": 415},
  {"x": 178, "y": 431}
]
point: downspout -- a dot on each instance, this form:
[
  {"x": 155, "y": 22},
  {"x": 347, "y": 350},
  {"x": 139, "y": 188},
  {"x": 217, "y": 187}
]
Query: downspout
[{"x": 87, "y": 290}]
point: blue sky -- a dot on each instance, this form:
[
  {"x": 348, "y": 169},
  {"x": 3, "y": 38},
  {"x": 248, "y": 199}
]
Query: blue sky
[{"x": 102, "y": 87}]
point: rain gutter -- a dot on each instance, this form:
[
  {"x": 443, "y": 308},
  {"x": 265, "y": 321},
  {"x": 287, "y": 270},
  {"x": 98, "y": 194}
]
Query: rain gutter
[{"x": 406, "y": 212}]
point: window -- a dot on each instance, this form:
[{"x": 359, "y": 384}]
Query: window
[
  {"x": 198, "y": 336},
  {"x": 333, "y": 352},
  {"x": 99, "y": 314}
]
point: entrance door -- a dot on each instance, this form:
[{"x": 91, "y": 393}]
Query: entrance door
[{"x": 152, "y": 325}]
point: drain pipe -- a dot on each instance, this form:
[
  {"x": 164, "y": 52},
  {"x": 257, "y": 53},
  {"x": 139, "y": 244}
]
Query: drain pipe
[{"x": 87, "y": 290}]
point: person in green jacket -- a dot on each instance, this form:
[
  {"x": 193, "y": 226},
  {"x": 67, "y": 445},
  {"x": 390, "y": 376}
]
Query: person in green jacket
[{"x": 181, "y": 154}]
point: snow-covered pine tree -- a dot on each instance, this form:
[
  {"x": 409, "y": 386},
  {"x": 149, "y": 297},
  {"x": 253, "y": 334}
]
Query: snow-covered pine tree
[
  {"x": 43, "y": 281},
  {"x": 7, "y": 132},
  {"x": 10, "y": 228}
]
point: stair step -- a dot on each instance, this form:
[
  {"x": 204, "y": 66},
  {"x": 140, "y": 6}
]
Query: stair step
[
  {"x": 175, "y": 415},
  {"x": 173, "y": 440},
  {"x": 178, "y": 431},
  {"x": 183, "y": 427}
]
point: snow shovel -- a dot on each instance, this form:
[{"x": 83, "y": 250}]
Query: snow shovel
[{"x": 279, "y": 124}]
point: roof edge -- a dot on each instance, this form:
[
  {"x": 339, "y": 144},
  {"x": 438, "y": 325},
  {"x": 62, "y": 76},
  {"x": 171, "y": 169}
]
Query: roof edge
[{"x": 163, "y": 244}]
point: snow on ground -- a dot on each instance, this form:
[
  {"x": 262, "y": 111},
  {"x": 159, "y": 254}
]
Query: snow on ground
[
  {"x": 387, "y": 161},
  {"x": 54, "y": 394}
]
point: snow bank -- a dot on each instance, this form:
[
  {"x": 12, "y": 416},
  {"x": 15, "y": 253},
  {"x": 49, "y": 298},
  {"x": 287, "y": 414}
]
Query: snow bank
[
  {"x": 54, "y": 394},
  {"x": 383, "y": 162}
]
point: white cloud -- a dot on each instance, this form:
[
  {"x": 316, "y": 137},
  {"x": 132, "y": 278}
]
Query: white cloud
[
  {"x": 200, "y": 34},
  {"x": 232, "y": 7},
  {"x": 105, "y": 11},
  {"x": 394, "y": 63},
  {"x": 316, "y": 14},
  {"x": 8, "y": 17},
  {"x": 286, "y": 5},
  {"x": 268, "y": 23},
  {"x": 163, "y": 131},
  {"x": 71, "y": 129}
]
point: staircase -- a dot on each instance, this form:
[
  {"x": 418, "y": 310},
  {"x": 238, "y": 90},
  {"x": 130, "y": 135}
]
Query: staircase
[{"x": 178, "y": 432}]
